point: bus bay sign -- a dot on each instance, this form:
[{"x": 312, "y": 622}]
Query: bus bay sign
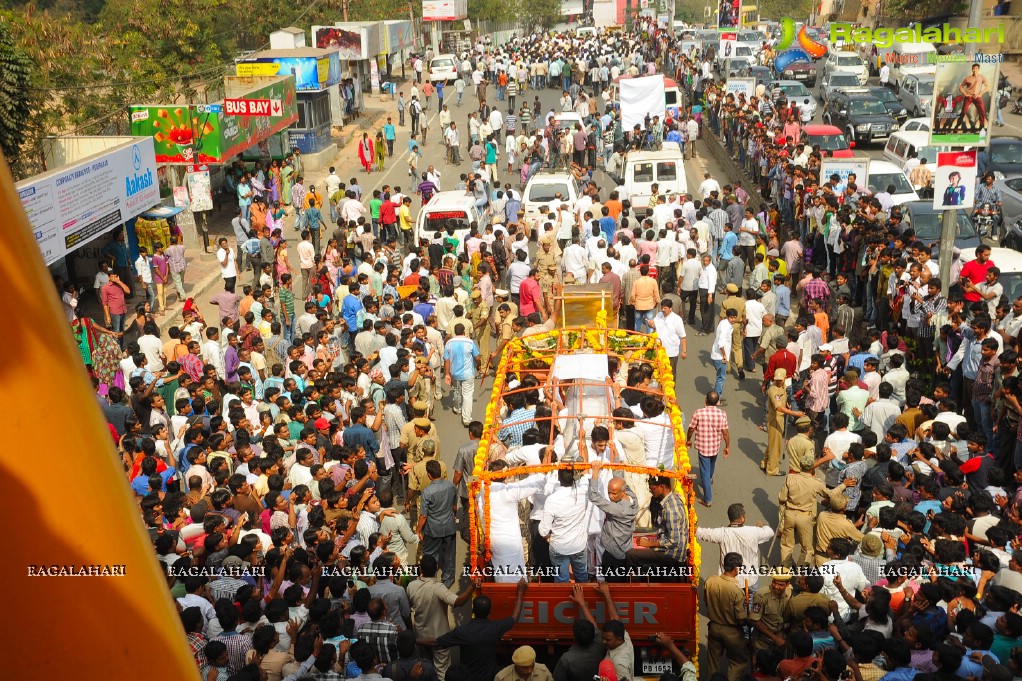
[{"x": 253, "y": 107}]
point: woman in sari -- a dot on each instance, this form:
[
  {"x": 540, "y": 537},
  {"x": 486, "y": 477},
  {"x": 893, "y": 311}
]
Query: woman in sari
[
  {"x": 286, "y": 181},
  {"x": 274, "y": 182},
  {"x": 281, "y": 264},
  {"x": 332, "y": 260},
  {"x": 276, "y": 214},
  {"x": 98, "y": 347},
  {"x": 258, "y": 216}
]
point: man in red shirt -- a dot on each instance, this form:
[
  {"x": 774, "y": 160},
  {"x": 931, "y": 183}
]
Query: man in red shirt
[
  {"x": 114, "y": 306},
  {"x": 782, "y": 359},
  {"x": 976, "y": 271},
  {"x": 530, "y": 296}
]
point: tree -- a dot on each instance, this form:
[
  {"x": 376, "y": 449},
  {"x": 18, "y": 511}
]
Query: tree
[{"x": 15, "y": 97}]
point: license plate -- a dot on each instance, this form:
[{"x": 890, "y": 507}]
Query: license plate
[
  {"x": 801, "y": 76},
  {"x": 656, "y": 666}
]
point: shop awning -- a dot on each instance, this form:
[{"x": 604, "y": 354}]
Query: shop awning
[{"x": 161, "y": 212}]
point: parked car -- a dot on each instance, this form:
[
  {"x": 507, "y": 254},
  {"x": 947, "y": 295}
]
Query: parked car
[
  {"x": 735, "y": 65},
  {"x": 891, "y": 102},
  {"x": 1003, "y": 157},
  {"x": 916, "y": 124},
  {"x": 761, "y": 74},
  {"x": 925, "y": 222},
  {"x": 882, "y": 174},
  {"x": 1011, "y": 197},
  {"x": 831, "y": 140},
  {"x": 862, "y": 117},
  {"x": 835, "y": 80},
  {"x": 443, "y": 67},
  {"x": 796, "y": 93},
  {"x": 916, "y": 94},
  {"x": 846, "y": 61},
  {"x": 803, "y": 72},
  {"x": 899, "y": 147}
]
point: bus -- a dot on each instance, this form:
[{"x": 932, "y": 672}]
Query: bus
[{"x": 572, "y": 365}]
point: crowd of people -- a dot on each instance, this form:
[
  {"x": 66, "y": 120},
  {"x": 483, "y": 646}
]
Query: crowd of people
[{"x": 287, "y": 462}]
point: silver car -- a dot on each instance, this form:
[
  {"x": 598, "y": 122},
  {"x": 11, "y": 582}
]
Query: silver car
[
  {"x": 916, "y": 94},
  {"x": 1011, "y": 197}
]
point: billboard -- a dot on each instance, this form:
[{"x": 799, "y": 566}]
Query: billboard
[
  {"x": 350, "y": 43},
  {"x": 444, "y": 10},
  {"x": 194, "y": 134},
  {"x": 729, "y": 13},
  {"x": 740, "y": 86},
  {"x": 398, "y": 35},
  {"x": 843, "y": 168},
  {"x": 71, "y": 206},
  {"x": 964, "y": 97},
  {"x": 728, "y": 43},
  {"x": 954, "y": 182},
  {"x": 312, "y": 74}
]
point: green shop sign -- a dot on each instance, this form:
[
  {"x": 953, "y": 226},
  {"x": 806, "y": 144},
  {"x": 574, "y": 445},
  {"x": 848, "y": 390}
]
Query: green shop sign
[{"x": 203, "y": 133}]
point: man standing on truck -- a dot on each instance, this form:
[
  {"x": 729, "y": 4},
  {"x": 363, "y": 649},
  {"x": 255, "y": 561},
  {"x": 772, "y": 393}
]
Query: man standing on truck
[
  {"x": 621, "y": 508},
  {"x": 669, "y": 548}
]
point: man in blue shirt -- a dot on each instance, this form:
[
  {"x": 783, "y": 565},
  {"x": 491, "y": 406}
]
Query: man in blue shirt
[
  {"x": 608, "y": 225},
  {"x": 359, "y": 435},
  {"x": 461, "y": 354},
  {"x": 783, "y": 294},
  {"x": 727, "y": 248},
  {"x": 350, "y": 307},
  {"x": 389, "y": 134}
]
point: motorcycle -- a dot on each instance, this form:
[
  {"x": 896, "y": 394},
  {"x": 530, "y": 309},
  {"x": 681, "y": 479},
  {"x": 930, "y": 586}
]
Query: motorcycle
[{"x": 983, "y": 218}]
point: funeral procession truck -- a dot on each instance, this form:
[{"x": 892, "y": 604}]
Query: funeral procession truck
[{"x": 572, "y": 363}]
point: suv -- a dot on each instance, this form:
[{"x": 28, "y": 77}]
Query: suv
[
  {"x": 861, "y": 116},
  {"x": 846, "y": 61},
  {"x": 543, "y": 187},
  {"x": 835, "y": 80},
  {"x": 916, "y": 93}
]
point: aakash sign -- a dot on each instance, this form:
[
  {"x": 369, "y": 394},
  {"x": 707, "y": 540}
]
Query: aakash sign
[{"x": 71, "y": 206}]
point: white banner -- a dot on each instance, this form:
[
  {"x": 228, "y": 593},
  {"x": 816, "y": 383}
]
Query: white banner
[
  {"x": 954, "y": 183},
  {"x": 199, "y": 190},
  {"x": 843, "y": 167},
  {"x": 71, "y": 206},
  {"x": 444, "y": 10},
  {"x": 641, "y": 96},
  {"x": 740, "y": 86}
]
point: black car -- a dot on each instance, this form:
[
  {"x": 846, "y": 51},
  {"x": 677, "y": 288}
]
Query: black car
[
  {"x": 891, "y": 102},
  {"x": 862, "y": 117},
  {"x": 924, "y": 220},
  {"x": 762, "y": 74}
]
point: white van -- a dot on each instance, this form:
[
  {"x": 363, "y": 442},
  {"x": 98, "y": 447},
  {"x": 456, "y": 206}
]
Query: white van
[
  {"x": 542, "y": 189},
  {"x": 451, "y": 208},
  {"x": 901, "y": 143},
  {"x": 909, "y": 58},
  {"x": 642, "y": 169},
  {"x": 881, "y": 174}
]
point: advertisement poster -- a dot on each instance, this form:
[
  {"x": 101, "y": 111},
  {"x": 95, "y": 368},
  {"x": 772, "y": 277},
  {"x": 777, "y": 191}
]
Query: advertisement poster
[
  {"x": 398, "y": 35},
  {"x": 182, "y": 135},
  {"x": 181, "y": 199},
  {"x": 445, "y": 10},
  {"x": 349, "y": 43},
  {"x": 199, "y": 190},
  {"x": 954, "y": 182},
  {"x": 311, "y": 73},
  {"x": 71, "y": 206},
  {"x": 740, "y": 86},
  {"x": 728, "y": 43},
  {"x": 843, "y": 168},
  {"x": 728, "y": 12},
  {"x": 964, "y": 97}
]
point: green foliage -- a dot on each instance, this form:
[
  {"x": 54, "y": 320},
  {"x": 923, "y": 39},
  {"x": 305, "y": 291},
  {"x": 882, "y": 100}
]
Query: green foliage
[
  {"x": 15, "y": 96},
  {"x": 799, "y": 10}
]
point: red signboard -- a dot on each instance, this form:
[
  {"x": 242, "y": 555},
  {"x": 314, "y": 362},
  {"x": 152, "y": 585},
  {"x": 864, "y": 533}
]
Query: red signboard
[
  {"x": 644, "y": 608},
  {"x": 253, "y": 107}
]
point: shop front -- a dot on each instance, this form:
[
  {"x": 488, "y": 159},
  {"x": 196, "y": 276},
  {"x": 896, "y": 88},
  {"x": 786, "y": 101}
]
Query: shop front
[{"x": 98, "y": 187}]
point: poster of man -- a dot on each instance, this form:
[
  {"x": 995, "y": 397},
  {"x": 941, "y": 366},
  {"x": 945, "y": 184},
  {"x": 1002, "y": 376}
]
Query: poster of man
[
  {"x": 963, "y": 103},
  {"x": 728, "y": 12},
  {"x": 954, "y": 183}
]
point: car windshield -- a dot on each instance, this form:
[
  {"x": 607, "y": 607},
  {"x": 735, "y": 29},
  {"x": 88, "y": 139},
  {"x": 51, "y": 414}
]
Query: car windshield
[
  {"x": 795, "y": 90},
  {"x": 1006, "y": 153},
  {"x": 930, "y": 153},
  {"x": 883, "y": 94},
  {"x": 866, "y": 107},
  {"x": 925, "y": 87},
  {"x": 916, "y": 125},
  {"x": 750, "y": 37},
  {"x": 878, "y": 182},
  {"x": 850, "y": 60},
  {"x": 743, "y": 51},
  {"x": 1012, "y": 283},
  {"x": 442, "y": 63},
  {"x": 927, "y": 226},
  {"x": 840, "y": 79},
  {"x": 547, "y": 191},
  {"x": 828, "y": 142}
]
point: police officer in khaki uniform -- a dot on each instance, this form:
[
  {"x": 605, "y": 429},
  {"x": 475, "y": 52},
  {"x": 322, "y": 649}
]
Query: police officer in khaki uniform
[
  {"x": 801, "y": 450},
  {"x": 735, "y": 302},
  {"x": 777, "y": 412},
  {"x": 767, "y": 612},
  {"x": 546, "y": 258},
  {"x": 548, "y": 284},
  {"x": 798, "y": 499},
  {"x": 726, "y": 612},
  {"x": 833, "y": 523},
  {"x": 505, "y": 332},
  {"x": 479, "y": 316}
]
